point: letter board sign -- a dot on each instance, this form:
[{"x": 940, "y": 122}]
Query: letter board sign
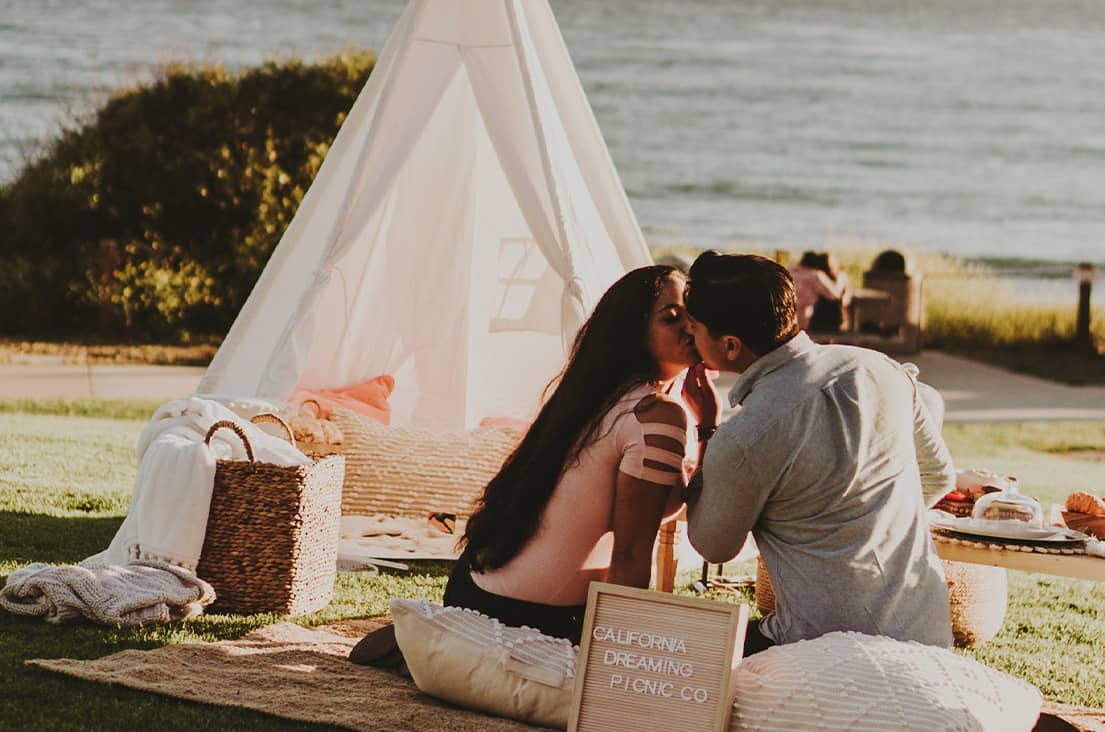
[{"x": 655, "y": 660}]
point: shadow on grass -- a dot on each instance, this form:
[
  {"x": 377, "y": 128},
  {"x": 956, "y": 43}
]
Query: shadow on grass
[
  {"x": 37, "y": 699},
  {"x": 28, "y": 537},
  {"x": 33, "y": 537}
]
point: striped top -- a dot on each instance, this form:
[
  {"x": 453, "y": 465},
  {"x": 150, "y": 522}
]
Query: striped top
[{"x": 575, "y": 540}]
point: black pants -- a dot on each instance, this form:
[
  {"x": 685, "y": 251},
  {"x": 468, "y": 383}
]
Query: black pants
[
  {"x": 754, "y": 639},
  {"x": 560, "y": 621}
]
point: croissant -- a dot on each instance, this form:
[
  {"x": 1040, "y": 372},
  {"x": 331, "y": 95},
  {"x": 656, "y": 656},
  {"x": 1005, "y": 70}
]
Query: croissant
[{"x": 1079, "y": 502}]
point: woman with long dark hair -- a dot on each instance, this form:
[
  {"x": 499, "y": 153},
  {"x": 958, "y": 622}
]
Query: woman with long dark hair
[{"x": 583, "y": 494}]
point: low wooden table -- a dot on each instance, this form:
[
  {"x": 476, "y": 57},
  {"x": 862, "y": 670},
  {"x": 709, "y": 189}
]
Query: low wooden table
[
  {"x": 1080, "y": 566},
  {"x": 864, "y": 296}
]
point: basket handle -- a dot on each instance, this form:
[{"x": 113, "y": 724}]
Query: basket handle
[
  {"x": 270, "y": 417},
  {"x": 318, "y": 408},
  {"x": 237, "y": 430}
]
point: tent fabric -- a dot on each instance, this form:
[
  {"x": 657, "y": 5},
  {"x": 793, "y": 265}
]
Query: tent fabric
[{"x": 466, "y": 219}]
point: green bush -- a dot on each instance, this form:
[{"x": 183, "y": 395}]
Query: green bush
[{"x": 192, "y": 180}]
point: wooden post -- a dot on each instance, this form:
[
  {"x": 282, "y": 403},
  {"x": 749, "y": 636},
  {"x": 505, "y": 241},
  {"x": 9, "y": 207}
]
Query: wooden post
[
  {"x": 782, "y": 256},
  {"x": 665, "y": 558},
  {"x": 1084, "y": 274}
]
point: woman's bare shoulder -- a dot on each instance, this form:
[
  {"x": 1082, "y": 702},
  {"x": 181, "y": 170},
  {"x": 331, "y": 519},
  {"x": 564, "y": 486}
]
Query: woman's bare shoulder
[{"x": 660, "y": 408}]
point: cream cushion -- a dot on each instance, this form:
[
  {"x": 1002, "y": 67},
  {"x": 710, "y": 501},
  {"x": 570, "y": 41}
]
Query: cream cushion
[
  {"x": 475, "y": 661},
  {"x": 855, "y": 682},
  {"x": 407, "y": 472}
]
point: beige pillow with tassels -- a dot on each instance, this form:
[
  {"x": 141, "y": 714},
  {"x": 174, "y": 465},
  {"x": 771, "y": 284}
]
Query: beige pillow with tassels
[{"x": 409, "y": 472}]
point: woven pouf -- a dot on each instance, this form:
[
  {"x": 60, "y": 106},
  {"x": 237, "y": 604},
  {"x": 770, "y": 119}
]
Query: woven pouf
[
  {"x": 398, "y": 471},
  {"x": 979, "y": 596},
  {"x": 765, "y": 593}
]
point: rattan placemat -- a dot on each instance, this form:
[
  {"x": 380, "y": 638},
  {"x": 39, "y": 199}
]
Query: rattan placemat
[{"x": 950, "y": 537}]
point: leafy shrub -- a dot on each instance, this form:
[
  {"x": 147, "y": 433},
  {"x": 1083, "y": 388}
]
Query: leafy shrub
[{"x": 159, "y": 213}]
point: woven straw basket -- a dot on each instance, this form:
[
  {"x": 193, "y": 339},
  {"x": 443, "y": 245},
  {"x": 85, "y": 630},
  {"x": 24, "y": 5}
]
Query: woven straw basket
[
  {"x": 978, "y": 594},
  {"x": 312, "y": 409},
  {"x": 765, "y": 593},
  {"x": 272, "y": 533}
]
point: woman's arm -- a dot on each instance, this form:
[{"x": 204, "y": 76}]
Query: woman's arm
[
  {"x": 828, "y": 288},
  {"x": 638, "y": 508},
  {"x": 646, "y": 482}
]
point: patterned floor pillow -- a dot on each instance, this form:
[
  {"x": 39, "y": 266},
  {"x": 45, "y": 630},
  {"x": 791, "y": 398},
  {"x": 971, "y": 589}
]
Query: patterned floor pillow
[
  {"x": 862, "y": 683},
  {"x": 476, "y": 662}
]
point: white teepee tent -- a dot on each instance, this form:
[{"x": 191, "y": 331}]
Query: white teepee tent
[{"x": 465, "y": 220}]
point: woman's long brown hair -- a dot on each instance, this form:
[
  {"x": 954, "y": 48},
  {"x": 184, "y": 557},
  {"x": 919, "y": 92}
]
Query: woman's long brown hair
[{"x": 609, "y": 357}]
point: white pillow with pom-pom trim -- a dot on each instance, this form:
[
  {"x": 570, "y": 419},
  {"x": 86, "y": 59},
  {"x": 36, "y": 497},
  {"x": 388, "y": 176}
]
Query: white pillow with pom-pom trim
[{"x": 862, "y": 683}]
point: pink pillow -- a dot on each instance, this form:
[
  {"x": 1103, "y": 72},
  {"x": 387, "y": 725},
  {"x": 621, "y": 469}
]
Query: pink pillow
[
  {"x": 369, "y": 398},
  {"x": 509, "y": 422}
]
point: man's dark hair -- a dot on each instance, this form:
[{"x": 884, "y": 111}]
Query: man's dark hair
[{"x": 745, "y": 295}]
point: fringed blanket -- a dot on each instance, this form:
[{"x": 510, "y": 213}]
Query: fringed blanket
[{"x": 135, "y": 594}]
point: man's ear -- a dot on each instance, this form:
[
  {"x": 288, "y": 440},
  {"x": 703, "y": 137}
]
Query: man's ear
[{"x": 733, "y": 347}]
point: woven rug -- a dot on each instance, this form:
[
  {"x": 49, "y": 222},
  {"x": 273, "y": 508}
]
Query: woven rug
[
  {"x": 302, "y": 673},
  {"x": 288, "y": 671}
]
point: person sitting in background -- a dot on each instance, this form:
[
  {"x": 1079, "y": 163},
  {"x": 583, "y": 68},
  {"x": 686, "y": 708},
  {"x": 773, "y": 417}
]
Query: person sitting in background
[
  {"x": 582, "y": 496},
  {"x": 830, "y": 315},
  {"x": 813, "y": 283}
]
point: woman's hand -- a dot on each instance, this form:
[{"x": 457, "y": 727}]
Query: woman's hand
[{"x": 701, "y": 397}]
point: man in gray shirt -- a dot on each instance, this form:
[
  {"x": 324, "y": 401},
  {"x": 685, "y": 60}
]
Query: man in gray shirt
[{"x": 831, "y": 461}]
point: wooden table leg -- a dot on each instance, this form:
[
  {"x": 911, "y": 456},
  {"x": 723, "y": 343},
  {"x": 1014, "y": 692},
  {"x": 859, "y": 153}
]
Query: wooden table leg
[{"x": 665, "y": 558}]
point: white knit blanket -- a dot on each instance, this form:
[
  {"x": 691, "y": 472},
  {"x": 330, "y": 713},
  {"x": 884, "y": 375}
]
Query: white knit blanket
[
  {"x": 139, "y": 593},
  {"x": 167, "y": 518}
]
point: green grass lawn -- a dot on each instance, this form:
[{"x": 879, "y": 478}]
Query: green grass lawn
[{"x": 66, "y": 470}]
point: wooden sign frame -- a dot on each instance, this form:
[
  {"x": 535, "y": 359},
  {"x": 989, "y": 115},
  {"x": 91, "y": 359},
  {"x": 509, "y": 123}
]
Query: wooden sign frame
[{"x": 652, "y": 660}]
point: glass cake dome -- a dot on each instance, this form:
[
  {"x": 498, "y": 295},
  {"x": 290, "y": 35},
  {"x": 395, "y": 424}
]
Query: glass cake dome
[{"x": 1009, "y": 504}]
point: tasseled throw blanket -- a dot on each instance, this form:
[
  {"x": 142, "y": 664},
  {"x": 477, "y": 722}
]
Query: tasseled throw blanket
[
  {"x": 167, "y": 518},
  {"x": 135, "y": 594}
]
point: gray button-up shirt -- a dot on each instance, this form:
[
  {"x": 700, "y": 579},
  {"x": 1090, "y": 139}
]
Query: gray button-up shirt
[{"x": 830, "y": 461}]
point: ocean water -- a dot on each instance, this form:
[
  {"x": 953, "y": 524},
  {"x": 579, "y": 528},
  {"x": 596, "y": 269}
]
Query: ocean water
[{"x": 975, "y": 127}]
